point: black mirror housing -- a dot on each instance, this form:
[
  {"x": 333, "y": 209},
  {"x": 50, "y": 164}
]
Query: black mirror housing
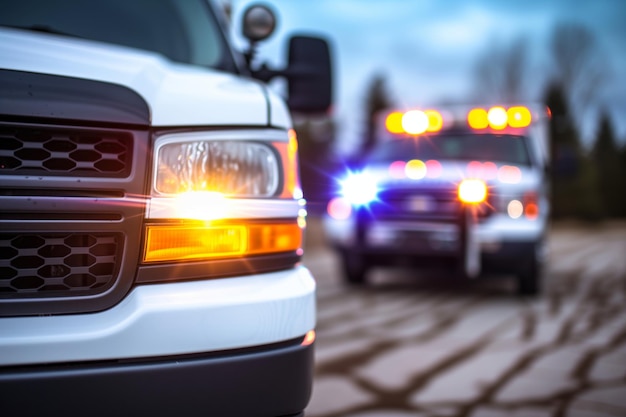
[{"x": 309, "y": 75}]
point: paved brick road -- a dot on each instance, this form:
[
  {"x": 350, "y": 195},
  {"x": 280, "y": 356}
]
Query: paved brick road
[{"x": 412, "y": 344}]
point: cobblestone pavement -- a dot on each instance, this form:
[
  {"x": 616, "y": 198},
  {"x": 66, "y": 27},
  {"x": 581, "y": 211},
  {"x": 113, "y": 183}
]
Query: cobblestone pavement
[{"x": 422, "y": 345}]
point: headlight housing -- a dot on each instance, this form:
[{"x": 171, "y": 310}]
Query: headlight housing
[
  {"x": 224, "y": 195},
  {"x": 526, "y": 206},
  {"x": 231, "y": 168}
]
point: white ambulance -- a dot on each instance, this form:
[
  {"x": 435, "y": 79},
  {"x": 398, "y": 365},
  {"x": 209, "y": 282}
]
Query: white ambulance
[
  {"x": 463, "y": 187},
  {"x": 151, "y": 216}
]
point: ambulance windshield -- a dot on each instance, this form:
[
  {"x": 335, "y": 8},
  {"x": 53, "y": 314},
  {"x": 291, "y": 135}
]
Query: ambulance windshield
[{"x": 509, "y": 149}]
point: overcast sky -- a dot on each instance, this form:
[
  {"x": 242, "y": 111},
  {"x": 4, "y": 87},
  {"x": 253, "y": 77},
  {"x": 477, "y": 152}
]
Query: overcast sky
[{"x": 427, "y": 49}]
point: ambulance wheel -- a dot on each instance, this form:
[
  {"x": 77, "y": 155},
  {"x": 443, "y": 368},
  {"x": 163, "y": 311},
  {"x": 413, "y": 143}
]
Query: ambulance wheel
[
  {"x": 530, "y": 273},
  {"x": 354, "y": 268}
]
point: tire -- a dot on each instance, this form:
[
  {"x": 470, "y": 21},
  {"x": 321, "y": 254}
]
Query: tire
[
  {"x": 354, "y": 268},
  {"x": 530, "y": 273}
]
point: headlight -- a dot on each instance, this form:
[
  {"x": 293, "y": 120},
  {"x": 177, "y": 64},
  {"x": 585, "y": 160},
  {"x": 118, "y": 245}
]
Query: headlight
[
  {"x": 528, "y": 206},
  {"x": 339, "y": 208},
  {"x": 224, "y": 195},
  {"x": 472, "y": 191},
  {"x": 232, "y": 168}
]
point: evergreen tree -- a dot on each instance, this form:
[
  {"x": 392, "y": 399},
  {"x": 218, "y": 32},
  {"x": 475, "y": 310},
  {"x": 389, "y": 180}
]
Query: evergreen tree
[
  {"x": 606, "y": 158},
  {"x": 579, "y": 74},
  {"x": 564, "y": 152},
  {"x": 572, "y": 175}
]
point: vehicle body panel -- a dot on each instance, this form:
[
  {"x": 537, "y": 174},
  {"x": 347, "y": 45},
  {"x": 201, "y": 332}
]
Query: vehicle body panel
[{"x": 177, "y": 94}]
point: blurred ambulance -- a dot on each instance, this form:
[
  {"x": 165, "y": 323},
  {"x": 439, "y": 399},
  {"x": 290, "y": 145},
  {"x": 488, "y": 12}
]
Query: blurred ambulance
[{"x": 461, "y": 187}]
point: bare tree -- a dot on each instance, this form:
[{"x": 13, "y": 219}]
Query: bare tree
[
  {"x": 580, "y": 67},
  {"x": 500, "y": 72}
]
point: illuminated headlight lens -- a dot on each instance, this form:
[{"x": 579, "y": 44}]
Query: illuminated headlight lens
[
  {"x": 472, "y": 191},
  {"x": 527, "y": 206},
  {"x": 515, "y": 209},
  {"x": 232, "y": 168}
]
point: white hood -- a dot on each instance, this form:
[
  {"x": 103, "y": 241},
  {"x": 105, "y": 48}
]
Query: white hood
[{"x": 177, "y": 94}]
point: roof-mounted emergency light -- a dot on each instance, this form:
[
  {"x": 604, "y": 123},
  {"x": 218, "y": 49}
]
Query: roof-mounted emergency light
[
  {"x": 499, "y": 118},
  {"x": 414, "y": 122}
]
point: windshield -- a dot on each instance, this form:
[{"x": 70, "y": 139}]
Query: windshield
[
  {"x": 488, "y": 147},
  {"x": 181, "y": 30}
]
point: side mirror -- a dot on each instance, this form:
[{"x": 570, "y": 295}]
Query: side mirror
[
  {"x": 308, "y": 72},
  {"x": 309, "y": 75}
]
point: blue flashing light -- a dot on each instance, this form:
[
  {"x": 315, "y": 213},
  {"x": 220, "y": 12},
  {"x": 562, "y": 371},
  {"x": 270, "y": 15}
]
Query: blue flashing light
[{"x": 359, "y": 188}]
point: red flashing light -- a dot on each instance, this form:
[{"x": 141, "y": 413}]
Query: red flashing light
[
  {"x": 474, "y": 169},
  {"x": 490, "y": 170},
  {"x": 532, "y": 211},
  {"x": 433, "y": 169},
  {"x": 509, "y": 174},
  {"x": 397, "y": 170},
  {"x": 531, "y": 208},
  {"x": 339, "y": 208}
]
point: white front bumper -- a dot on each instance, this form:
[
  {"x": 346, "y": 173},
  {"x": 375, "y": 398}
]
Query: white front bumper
[
  {"x": 170, "y": 319},
  {"x": 500, "y": 229},
  {"x": 490, "y": 234}
]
